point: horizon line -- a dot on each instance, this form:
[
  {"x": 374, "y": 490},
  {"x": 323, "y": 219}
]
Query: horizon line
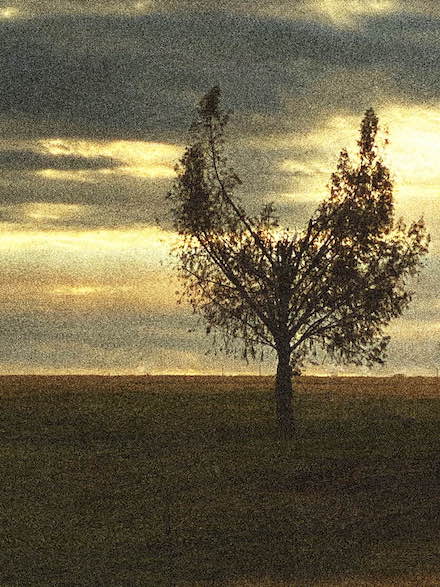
[{"x": 106, "y": 373}]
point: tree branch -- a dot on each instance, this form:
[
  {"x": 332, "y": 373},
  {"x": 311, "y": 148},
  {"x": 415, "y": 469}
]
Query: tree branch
[{"x": 231, "y": 202}]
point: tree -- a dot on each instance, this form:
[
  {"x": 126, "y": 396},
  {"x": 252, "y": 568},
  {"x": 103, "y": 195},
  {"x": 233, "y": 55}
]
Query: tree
[{"x": 332, "y": 287}]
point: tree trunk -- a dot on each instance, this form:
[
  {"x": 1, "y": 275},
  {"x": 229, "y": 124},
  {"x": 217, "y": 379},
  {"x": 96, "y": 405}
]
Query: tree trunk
[{"x": 283, "y": 393}]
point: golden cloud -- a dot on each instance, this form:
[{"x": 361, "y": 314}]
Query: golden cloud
[
  {"x": 9, "y": 12},
  {"x": 412, "y": 154},
  {"x": 46, "y": 211},
  {"x": 412, "y": 329},
  {"x": 138, "y": 158},
  {"x": 150, "y": 239},
  {"x": 339, "y": 13},
  {"x": 128, "y": 268},
  {"x": 347, "y": 13}
]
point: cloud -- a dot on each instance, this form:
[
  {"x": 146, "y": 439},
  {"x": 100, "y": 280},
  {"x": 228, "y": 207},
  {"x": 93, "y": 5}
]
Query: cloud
[
  {"x": 106, "y": 183},
  {"x": 72, "y": 340},
  {"x": 137, "y": 158},
  {"x": 333, "y": 10},
  {"x": 23, "y": 9},
  {"x": 103, "y": 300},
  {"x": 113, "y": 201},
  {"x": 14, "y": 160},
  {"x": 140, "y": 77}
]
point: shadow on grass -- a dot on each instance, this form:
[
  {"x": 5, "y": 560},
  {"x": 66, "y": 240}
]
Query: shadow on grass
[{"x": 333, "y": 520}]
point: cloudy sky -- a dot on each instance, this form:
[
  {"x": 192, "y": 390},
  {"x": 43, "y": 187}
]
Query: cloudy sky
[{"x": 96, "y": 99}]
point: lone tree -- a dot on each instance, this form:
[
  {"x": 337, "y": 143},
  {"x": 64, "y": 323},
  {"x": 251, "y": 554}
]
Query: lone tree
[{"x": 331, "y": 287}]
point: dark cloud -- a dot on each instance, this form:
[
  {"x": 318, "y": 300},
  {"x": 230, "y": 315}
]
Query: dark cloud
[
  {"x": 44, "y": 7},
  {"x": 110, "y": 202},
  {"x": 140, "y": 77},
  {"x": 284, "y": 8},
  {"x": 26, "y": 160},
  {"x": 118, "y": 340},
  {"x": 341, "y": 13},
  {"x": 112, "y": 340}
]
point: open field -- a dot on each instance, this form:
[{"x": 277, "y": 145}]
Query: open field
[{"x": 180, "y": 481}]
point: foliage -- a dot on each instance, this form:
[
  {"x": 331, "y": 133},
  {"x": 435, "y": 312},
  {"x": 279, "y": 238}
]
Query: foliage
[{"x": 334, "y": 285}]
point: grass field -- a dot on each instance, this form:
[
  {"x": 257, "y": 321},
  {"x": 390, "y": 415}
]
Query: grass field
[{"x": 180, "y": 481}]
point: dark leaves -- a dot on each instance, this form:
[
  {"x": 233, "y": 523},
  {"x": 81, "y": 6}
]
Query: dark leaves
[{"x": 333, "y": 287}]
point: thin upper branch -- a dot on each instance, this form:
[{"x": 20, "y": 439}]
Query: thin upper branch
[{"x": 242, "y": 217}]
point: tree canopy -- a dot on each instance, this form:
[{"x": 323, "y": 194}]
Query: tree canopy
[{"x": 333, "y": 286}]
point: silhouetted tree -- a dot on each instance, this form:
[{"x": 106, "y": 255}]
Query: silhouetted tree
[{"x": 334, "y": 285}]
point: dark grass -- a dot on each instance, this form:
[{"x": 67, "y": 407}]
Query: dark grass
[{"x": 180, "y": 480}]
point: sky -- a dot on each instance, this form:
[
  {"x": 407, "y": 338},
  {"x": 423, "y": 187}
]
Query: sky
[{"x": 96, "y": 101}]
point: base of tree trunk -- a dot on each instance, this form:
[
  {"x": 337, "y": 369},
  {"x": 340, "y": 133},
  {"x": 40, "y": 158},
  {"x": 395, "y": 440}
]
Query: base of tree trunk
[
  {"x": 286, "y": 422},
  {"x": 283, "y": 396}
]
